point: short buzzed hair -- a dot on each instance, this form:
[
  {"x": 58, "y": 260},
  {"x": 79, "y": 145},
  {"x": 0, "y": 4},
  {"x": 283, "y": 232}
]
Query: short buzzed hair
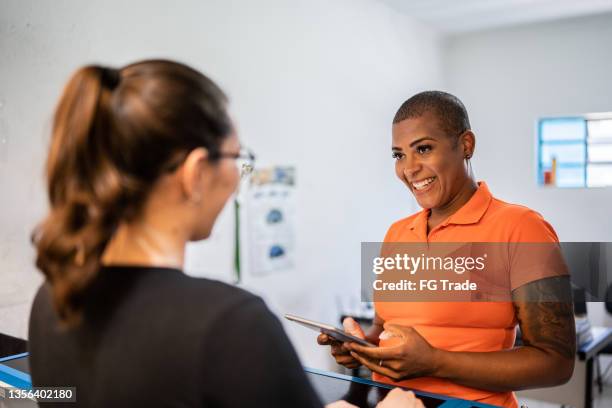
[{"x": 449, "y": 110}]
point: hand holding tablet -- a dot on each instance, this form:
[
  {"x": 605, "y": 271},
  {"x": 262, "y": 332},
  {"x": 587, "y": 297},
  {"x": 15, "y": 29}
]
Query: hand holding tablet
[{"x": 331, "y": 331}]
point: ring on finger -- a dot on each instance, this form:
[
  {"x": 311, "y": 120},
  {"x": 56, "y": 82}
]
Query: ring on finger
[{"x": 380, "y": 363}]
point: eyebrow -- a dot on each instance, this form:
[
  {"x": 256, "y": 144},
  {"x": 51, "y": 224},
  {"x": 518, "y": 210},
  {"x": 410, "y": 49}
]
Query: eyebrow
[{"x": 415, "y": 142}]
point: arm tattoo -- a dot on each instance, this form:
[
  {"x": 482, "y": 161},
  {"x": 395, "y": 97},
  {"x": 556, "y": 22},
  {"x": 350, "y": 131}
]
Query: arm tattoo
[{"x": 546, "y": 317}]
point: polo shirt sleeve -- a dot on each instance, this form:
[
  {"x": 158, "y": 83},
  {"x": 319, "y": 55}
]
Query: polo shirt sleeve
[
  {"x": 532, "y": 227},
  {"x": 534, "y": 251}
]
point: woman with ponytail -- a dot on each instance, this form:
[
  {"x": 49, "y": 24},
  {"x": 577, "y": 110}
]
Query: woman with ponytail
[{"x": 142, "y": 160}]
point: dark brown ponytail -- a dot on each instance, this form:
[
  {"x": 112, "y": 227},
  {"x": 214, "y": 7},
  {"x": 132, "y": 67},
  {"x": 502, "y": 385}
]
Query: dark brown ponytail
[{"x": 114, "y": 133}]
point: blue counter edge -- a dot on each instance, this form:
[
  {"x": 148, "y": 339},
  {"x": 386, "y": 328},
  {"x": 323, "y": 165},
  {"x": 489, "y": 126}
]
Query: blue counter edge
[
  {"x": 13, "y": 377},
  {"x": 450, "y": 402},
  {"x": 23, "y": 380}
]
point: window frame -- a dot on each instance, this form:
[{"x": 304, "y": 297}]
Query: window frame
[{"x": 586, "y": 119}]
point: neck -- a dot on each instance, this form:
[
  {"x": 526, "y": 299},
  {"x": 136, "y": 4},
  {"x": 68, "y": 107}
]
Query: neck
[
  {"x": 466, "y": 192},
  {"x": 145, "y": 244}
]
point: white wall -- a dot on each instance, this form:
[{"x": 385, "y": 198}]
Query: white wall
[
  {"x": 313, "y": 83},
  {"x": 509, "y": 78}
]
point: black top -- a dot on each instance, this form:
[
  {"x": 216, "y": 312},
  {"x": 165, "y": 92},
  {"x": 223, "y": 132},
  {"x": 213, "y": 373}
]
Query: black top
[{"x": 157, "y": 337}]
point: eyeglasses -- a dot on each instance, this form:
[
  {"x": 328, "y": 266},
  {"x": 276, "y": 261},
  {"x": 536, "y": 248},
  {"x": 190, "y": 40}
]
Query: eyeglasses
[{"x": 245, "y": 160}]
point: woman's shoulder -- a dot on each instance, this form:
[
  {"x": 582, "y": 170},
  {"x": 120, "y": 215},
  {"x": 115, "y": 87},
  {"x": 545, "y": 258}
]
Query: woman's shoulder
[
  {"x": 522, "y": 223},
  {"x": 168, "y": 287},
  {"x": 131, "y": 291},
  {"x": 510, "y": 209},
  {"x": 511, "y": 212}
]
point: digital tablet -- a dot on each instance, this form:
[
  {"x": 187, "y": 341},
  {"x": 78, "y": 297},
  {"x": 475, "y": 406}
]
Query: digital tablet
[{"x": 331, "y": 331}]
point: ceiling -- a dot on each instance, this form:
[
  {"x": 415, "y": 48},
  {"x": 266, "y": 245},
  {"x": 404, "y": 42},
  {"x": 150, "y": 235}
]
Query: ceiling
[{"x": 458, "y": 16}]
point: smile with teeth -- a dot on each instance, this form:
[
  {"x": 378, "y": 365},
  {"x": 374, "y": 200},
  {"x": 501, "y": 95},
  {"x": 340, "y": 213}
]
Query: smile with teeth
[{"x": 420, "y": 185}]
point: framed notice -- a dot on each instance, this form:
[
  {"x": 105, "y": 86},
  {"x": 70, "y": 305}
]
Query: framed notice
[{"x": 270, "y": 214}]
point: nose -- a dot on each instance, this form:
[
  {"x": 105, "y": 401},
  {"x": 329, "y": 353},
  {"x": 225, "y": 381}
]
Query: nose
[{"x": 409, "y": 166}]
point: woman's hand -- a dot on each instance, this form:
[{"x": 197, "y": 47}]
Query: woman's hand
[
  {"x": 412, "y": 357},
  {"x": 339, "y": 350},
  {"x": 396, "y": 398},
  {"x": 399, "y": 398}
]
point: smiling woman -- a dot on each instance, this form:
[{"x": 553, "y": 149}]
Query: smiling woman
[
  {"x": 432, "y": 146},
  {"x": 464, "y": 349}
]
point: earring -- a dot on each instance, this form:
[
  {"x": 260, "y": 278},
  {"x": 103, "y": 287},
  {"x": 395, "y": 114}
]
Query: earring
[{"x": 468, "y": 163}]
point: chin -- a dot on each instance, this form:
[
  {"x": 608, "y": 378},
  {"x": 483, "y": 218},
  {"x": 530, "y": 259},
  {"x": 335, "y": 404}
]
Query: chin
[
  {"x": 427, "y": 204},
  {"x": 429, "y": 200},
  {"x": 201, "y": 235}
]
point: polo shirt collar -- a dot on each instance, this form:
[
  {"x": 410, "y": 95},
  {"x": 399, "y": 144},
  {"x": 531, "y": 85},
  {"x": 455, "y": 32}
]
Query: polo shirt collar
[
  {"x": 474, "y": 209},
  {"x": 470, "y": 213}
]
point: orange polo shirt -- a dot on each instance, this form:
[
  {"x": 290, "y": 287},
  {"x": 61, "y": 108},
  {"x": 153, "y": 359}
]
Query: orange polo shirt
[{"x": 467, "y": 326}]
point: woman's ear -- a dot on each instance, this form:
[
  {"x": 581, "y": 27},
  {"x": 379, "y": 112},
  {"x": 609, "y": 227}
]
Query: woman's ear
[
  {"x": 468, "y": 142},
  {"x": 192, "y": 176}
]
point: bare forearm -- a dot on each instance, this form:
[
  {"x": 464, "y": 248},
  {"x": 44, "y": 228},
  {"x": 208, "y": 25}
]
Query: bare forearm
[{"x": 508, "y": 370}]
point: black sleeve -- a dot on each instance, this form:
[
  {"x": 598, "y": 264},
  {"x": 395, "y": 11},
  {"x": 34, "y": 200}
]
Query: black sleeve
[{"x": 249, "y": 361}]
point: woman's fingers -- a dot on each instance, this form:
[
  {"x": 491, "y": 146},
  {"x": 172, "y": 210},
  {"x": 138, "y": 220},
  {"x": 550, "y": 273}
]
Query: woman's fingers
[
  {"x": 343, "y": 357},
  {"x": 352, "y": 327},
  {"x": 399, "y": 398},
  {"x": 347, "y": 361},
  {"x": 374, "y": 365},
  {"x": 339, "y": 351},
  {"x": 323, "y": 339},
  {"x": 384, "y": 353}
]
